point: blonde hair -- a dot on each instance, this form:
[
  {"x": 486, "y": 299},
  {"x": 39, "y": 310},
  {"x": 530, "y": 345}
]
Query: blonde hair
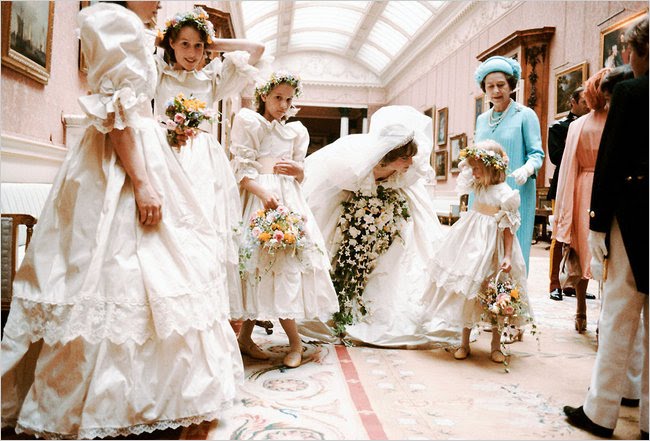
[{"x": 492, "y": 174}]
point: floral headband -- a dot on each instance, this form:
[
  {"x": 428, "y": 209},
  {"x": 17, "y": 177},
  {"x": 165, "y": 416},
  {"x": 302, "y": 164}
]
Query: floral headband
[
  {"x": 488, "y": 157},
  {"x": 197, "y": 17},
  {"x": 276, "y": 79}
]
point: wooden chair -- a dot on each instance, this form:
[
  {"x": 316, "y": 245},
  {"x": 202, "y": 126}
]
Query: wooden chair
[{"x": 10, "y": 245}]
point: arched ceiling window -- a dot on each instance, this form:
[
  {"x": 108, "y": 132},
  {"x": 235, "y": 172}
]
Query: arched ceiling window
[{"x": 372, "y": 33}]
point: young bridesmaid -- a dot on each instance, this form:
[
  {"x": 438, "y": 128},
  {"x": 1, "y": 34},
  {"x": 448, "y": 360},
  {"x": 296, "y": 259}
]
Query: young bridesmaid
[
  {"x": 185, "y": 40},
  {"x": 478, "y": 246},
  {"x": 268, "y": 164}
]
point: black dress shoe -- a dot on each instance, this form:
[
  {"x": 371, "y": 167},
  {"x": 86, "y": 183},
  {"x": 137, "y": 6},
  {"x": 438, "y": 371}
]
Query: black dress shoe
[
  {"x": 569, "y": 292},
  {"x": 576, "y": 417},
  {"x": 644, "y": 434},
  {"x": 629, "y": 402},
  {"x": 590, "y": 296},
  {"x": 556, "y": 294}
]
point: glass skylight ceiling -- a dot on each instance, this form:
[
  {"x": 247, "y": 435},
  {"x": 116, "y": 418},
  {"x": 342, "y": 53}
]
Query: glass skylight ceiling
[{"x": 370, "y": 32}]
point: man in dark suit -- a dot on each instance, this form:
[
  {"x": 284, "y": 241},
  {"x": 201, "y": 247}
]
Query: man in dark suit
[
  {"x": 557, "y": 134},
  {"x": 619, "y": 214}
]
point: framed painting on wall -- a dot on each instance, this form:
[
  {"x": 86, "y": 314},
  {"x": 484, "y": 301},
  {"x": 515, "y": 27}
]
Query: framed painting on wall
[
  {"x": 566, "y": 82},
  {"x": 440, "y": 165},
  {"x": 441, "y": 134},
  {"x": 456, "y": 144},
  {"x": 614, "y": 51},
  {"x": 27, "y": 38}
]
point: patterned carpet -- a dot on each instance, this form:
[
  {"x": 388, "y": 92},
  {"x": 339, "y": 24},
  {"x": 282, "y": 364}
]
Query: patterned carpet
[{"x": 372, "y": 393}]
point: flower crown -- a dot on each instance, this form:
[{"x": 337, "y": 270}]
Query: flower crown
[
  {"x": 276, "y": 79},
  {"x": 197, "y": 16},
  {"x": 488, "y": 157}
]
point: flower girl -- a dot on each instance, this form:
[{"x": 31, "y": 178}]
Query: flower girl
[
  {"x": 185, "y": 39},
  {"x": 268, "y": 163},
  {"x": 469, "y": 281}
]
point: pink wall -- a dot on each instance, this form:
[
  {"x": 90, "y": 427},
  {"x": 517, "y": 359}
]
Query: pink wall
[
  {"x": 449, "y": 83},
  {"x": 33, "y": 110}
]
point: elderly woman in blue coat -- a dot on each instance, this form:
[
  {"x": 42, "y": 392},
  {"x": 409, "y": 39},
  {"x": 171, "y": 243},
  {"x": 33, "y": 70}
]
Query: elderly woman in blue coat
[{"x": 516, "y": 128}]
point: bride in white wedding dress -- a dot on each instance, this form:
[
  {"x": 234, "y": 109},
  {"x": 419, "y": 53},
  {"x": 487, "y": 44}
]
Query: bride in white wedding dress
[{"x": 368, "y": 196}]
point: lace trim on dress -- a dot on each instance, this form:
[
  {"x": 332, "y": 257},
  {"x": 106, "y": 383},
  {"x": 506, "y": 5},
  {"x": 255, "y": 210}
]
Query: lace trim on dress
[
  {"x": 110, "y": 109},
  {"x": 104, "y": 432},
  {"x": 95, "y": 321},
  {"x": 508, "y": 219}
]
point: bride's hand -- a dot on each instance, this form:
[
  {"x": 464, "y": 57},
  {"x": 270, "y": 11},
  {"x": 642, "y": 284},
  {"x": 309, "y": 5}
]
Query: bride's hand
[
  {"x": 506, "y": 265},
  {"x": 290, "y": 168}
]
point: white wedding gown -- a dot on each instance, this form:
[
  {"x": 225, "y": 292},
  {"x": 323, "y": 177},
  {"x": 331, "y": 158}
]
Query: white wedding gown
[
  {"x": 402, "y": 276},
  {"x": 115, "y": 328}
]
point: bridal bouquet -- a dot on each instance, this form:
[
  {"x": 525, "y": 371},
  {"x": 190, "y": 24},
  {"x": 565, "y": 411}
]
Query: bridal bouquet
[
  {"x": 183, "y": 116},
  {"x": 273, "y": 230},
  {"x": 368, "y": 226}
]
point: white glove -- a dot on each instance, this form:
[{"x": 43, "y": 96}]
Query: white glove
[
  {"x": 522, "y": 174},
  {"x": 597, "y": 247},
  {"x": 596, "y": 269}
]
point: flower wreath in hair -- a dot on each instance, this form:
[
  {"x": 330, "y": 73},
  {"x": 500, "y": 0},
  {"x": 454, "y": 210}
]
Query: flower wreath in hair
[
  {"x": 197, "y": 16},
  {"x": 488, "y": 157},
  {"x": 276, "y": 79}
]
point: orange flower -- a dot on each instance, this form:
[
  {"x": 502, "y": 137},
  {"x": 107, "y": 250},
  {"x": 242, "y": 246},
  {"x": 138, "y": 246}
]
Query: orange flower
[
  {"x": 264, "y": 237},
  {"x": 275, "y": 226},
  {"x": 260, "y": 213},
  {"x": 514, "y": 293},
  {"x": 289, "y": 238}
]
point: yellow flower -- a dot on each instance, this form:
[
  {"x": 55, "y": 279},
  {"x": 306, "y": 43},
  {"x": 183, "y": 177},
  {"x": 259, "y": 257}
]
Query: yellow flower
[
  {"x": 289, "y": 238},
  {"x": 514, "y": 293},
  {"x": 264, "y": 237},
  {"x": 260, "y": 213},
  {"x": 275, "y": 226}
]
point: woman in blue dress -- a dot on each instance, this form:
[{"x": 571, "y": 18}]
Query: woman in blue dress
[{"x": 516, "y": 128}]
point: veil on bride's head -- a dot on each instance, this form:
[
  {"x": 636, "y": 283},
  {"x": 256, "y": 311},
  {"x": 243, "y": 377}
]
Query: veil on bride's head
[{"x": 346, "y": 163}]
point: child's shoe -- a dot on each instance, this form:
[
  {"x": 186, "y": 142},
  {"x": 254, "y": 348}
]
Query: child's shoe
[{"x": 461, "y": 353}]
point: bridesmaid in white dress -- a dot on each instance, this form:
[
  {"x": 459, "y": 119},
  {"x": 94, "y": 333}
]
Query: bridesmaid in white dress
[
  {"x": 268, "y": 157},
  {"x": 401, "y": 276},
  {"x": 480, "y": 244},
  {"x": 204, "y": 160},
  {"x": 114, "y": 329}
]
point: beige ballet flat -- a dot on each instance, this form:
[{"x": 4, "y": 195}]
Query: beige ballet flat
[
  {"x": 461, "y": 353},
  {"x": 497, "y": 356},
  {"x": 253, "y": 351},
  {"x": 292, "y": 359}
]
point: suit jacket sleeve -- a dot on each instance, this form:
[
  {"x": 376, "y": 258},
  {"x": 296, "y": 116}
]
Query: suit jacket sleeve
[{"x": 557, "y": 134}]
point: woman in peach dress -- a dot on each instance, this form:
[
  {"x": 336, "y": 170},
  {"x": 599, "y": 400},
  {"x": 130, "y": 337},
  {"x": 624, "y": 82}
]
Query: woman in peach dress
[{"x": 574, "y": 186}]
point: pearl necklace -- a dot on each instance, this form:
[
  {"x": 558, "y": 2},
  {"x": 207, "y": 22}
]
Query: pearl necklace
[{"x": 494, "y": 122}]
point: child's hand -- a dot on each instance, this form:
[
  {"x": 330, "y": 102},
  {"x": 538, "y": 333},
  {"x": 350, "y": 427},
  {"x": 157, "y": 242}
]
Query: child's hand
[
  {"x": 505, "y": 264},
  {"x": 270, "y": 200},
  {"x": 290, "y": 168}
]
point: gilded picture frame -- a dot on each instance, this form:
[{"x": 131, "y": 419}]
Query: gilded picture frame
[
  {"x": 613, "y": 49},
  {"x": 440, "y": 165},
  {"x": 566, "y": 81},
  {"x": 27, "y": 38},
  {"x": 441, "y": 126},
  {"x": 456, "y": 144}
]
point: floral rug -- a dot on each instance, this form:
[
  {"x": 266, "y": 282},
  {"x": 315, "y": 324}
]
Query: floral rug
[
  {"x": 310, "y": 402},
  {"x": 344, "y": 393}
]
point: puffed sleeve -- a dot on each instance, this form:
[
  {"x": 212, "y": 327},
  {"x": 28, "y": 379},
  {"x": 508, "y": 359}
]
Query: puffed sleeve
[
  {"x": 508, "y": 215},
  {"x": 235, "y": 74},
  {"x": 245, "y": 142},
  {"x": 300, "y": 142},
  {"x": 121, "y": 70}
]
